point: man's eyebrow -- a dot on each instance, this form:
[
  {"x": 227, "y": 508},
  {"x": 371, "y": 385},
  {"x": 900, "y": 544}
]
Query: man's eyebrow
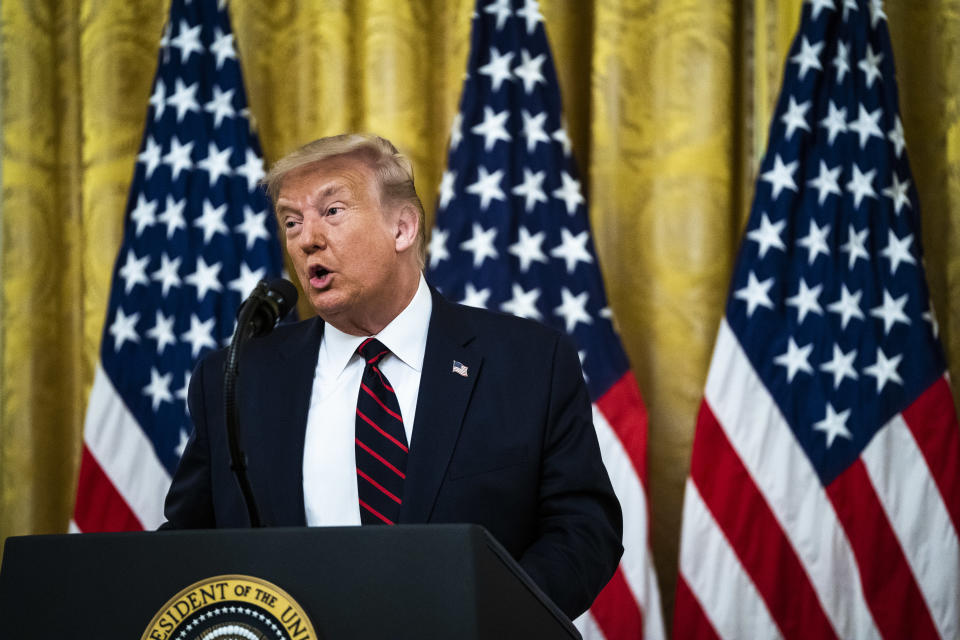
[
  {"x": 331, "y": 190},
  {"x": 282, "y": 208}
]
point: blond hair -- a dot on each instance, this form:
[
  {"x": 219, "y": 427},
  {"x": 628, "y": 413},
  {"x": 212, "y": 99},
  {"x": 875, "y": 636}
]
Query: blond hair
[{"x": 392, "y": 169}]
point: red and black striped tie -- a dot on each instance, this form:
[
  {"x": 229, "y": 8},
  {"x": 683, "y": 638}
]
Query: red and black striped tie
[{"x": 381, "y": 442}]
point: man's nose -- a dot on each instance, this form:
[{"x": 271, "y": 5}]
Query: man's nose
[{"x": 313, "y": 237}]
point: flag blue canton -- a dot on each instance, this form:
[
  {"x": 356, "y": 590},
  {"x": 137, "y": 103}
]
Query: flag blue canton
[
  {"x": 829, "y": 297},
  {"x": 512, "y": 232},
  {"x": 198, "y": 234}
]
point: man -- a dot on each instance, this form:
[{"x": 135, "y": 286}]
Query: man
[{"x": 395, "y": 405}]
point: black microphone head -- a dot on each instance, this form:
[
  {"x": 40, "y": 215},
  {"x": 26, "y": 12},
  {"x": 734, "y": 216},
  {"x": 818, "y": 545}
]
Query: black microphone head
[
  {"x": 269, "y": 302},
  {"x": 284, "y": 294}
]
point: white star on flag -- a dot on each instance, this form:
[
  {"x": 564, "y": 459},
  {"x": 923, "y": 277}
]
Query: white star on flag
[
  {"x": 834, "y": 425},
  {"x": 251, "y": 169},
  {"x": 866, "y": 125},
  {"x": 767, "y": 235},
  {"x": 755, "y": 294},
  {"x": 493, "y": 127},
  {"x": 124, "y": 328},
  {"x": 891, "y": 311},
  {"x": 523, "y": 303},
  {"x": 481, "y": 244},
  {"x": 856, "y": 246},
  {"x": 527, "y": 248},
  {"x": 184, "y": 99},
  {"x": 474, "y": 298},
  {"x": 438, "y": 246},
  {"x": 487, "y": 187},
  {"x": 200, "y": 335},
  {"x": 162, "y": 332},
  {"x": 848, "y": 306},
  {"x": 168, "y": 275},
  {"x": 134, "y": 271},
  {"x": 795, "y": 359},
  {"x": 573, "y": 309},
  {"x": 780, "y": 176},
  {"x": 897, "y": 191},
  {"x": 841, "y": 366},
  {"x": 172, "y": 216},
  {"x": 447, "y": 183},
  {"x": 221, "y": 106},
  {"x": 795, "y": 117},
  {"x": 247, "y": 281},
  {"x": 205, "y": 278},
  {"x": 533, "y": 129},
  {"x": 179, "y": 157},
  {"x": 529, "y": 70},
  {"x": 212, "y": 221},
  {"x": 572, "y": 249},
  {"x": 808, "y": 58},
  {"x": 187, "y": 41},
  {"x": 159, "y": 388},
  {"x": 569, "y": 192},
  {"x": 531, "y": 189},
  {"x": 253, "y": 227},
  {"x": 897, "y": 251},
  {"x": 498, "y": 69},
  {"x": 501, "y": 9},
  {"x": 835, "y": 123},
  {"x": 826, "y": 182},
  {"x": 222, "y": 47},
  {"x": 885, "y": 369},
  {"x": 815, "y": 242},
  {"x": 217, "y": 163},
  {"x": 805, "y": 300},
  {"x": 150, "y": 157},
  {"x": 842, "y": 60},
  {"x": 870, "y": 65},
  {"x": 861, "y": 185},
  {"x": 144, "y": 214}
]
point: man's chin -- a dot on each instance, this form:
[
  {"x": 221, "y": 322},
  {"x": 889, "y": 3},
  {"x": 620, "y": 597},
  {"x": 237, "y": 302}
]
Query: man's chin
[{"x": 328, "y": 304}]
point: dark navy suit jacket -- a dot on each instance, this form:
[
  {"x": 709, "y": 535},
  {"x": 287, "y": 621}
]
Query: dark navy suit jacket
[{"x": 511, "y": 446}]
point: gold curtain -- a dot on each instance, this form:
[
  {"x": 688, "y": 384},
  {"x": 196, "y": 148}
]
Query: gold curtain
[{"x": 668, "y": 104}]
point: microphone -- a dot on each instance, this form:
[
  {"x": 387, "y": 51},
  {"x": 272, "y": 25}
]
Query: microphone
[
  {"x": 257, "y": 316},
  {"x": 269, "y": 303}
]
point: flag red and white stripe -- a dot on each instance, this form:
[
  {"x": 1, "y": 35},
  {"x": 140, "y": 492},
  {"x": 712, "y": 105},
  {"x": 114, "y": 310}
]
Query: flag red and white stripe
[{"x": 769, "y": 552}]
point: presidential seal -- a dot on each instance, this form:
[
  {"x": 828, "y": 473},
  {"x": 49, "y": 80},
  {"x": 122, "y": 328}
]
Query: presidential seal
[{"x": 231, "y": 607}]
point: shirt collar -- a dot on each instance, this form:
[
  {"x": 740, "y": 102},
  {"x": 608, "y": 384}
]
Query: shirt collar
[{"x": 405, "y": 336}]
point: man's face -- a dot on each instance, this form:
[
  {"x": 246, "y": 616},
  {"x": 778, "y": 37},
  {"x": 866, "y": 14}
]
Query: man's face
[{"x": 342, "y": 241}]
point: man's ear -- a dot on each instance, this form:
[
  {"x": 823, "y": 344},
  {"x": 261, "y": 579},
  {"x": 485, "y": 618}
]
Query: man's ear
[{"x": 407, "y": 227}]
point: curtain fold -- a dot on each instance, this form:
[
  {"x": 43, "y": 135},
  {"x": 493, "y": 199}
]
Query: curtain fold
[{"x": 668, "y": 104}]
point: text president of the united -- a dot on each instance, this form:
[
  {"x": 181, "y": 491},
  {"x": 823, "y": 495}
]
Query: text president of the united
[{"x": 450, "y": 414}]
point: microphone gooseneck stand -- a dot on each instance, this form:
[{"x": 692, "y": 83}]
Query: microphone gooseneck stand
[{"x": 257, "y": 316}]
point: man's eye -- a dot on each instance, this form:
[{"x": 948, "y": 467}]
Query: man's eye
[
  {"x": 334, "y": 210},
  {"x": 289, "y": 224}
]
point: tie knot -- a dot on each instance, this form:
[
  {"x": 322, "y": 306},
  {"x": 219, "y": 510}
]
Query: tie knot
[{"x": 372, "y": 350}]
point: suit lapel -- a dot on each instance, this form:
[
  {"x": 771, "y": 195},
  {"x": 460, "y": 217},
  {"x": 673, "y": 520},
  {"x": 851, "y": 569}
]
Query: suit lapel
[
  {"x": 441, "y": 404},
  {"x": 289, "y": 377}
]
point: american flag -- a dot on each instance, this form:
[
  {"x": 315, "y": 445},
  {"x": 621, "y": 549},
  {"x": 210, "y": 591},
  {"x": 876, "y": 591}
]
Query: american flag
[
  {"x": 198, "y": 236},
  {"x": 513, "y": 235},
  {"x": 824, "y": 491}
]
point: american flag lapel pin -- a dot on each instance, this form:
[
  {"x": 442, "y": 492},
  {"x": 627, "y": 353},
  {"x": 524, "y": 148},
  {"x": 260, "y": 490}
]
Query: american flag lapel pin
[{"x": 459, "y": 368}]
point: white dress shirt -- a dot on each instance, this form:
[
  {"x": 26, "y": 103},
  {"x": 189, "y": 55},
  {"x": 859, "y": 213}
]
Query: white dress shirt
[{"x": 329, "y": 461}]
